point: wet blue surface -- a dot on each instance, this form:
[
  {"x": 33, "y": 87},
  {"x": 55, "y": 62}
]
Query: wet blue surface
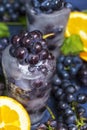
[
  {"x": 80, "y": 4},
  {"x": 15, "y": 29},
  {"x": 45, "y": 119}
]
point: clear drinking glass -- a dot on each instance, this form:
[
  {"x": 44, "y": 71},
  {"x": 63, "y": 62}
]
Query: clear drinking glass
[
  {"x": 30, "y": 85},
  {"x": 54, "y": 22}
]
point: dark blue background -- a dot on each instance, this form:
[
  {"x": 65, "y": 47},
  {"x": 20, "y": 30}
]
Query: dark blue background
[{"x": 80, "y": 4}]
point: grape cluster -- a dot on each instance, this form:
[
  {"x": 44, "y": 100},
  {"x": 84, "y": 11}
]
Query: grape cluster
[
  {"x": 29, "y": 47},
  {"x": 68, "y": 66},
  {"x": 68, "y": 97},
  {"x": 11, "y": 10},
  {"x": 48, "y": 6}
]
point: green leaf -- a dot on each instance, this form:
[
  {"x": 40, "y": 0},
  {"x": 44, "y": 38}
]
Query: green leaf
[
  {"x": 4, "y": 30},
  {"x": 72, "y": 45},
  {"x": 3, "y": 27}
]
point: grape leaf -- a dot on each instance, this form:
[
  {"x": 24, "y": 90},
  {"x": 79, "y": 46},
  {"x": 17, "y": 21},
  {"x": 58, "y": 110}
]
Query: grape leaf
[
  {"x": 4, "y": 30},
  {"x": 72, "y": 45}
]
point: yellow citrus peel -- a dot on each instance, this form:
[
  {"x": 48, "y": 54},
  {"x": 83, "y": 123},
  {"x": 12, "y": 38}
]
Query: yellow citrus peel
[
  {"x": 77, "y": 24},
  {"x": 13, "y": 115}
]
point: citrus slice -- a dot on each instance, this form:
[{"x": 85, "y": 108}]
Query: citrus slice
[
  {"x": 83, "y": 55},
  {"x": 13, "y": 115},
  {"x": 77, "y": 24}
]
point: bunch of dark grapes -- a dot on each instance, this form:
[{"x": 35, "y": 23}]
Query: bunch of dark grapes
[
  {"x": 11, "y": 10},
  {"x": 68, "y": 97},
  {"x": 48, "y": 6},
  {"x": 68, "y": 66},
  {"x": 30, "y": 47}
]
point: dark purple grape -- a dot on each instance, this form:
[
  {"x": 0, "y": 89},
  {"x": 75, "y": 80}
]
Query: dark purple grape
[
  {"x": 60, "y": 59},
  {"x": 72, "y": 127},
  {"x": 84, "y": 81},
  {"x": 82, "y": 98},
  {"x": 81, "y": 111},
  {"x": 10, "y": 11},
  {"x": 56, "y": 80},
  {"x": 16, "y": 6},
  {"x": 62, "y": 105},
  {"x": 25, "y": 42},
  {"x": 70, "y": 98},
  {"x": 73, "y": 71},
  {"x": 84, "y": 72},
  {"x": 43, "y": 54},
  {"x": 67, "y": 61},
  {"x": 82, "y": 75},
  {"x": 23, "y": 33},
  {"x": 36, "y": 48},
  {"x": 14, "y": 16},
  {"x": 21, "y": 52},
  {"x": 70, "y": 119},
  {"x": 15, "y": 40},
  {"x": 77, "y": 61},
  {"x": 58, "y": 93},
  {"x": 68, "y": 111},
  {"x": 43, "y": 43},
  {"x": 8, "y": 6},
  {"x": 64, "y": 74},
  {"x": 36, "y": 34},
  {"x": 52, "y": 123},
  {"x": 60, "y": 67},
  {"x": 33, "y": 59},
  {"x": 4, "y": 42},
  {"x": 45, "y": 5},
  {"x": 2, "y": 10},
  {"x": 65, "y": 83},
  {"x": 56, "y": 4},
  {"x": 70, "y": 89}
]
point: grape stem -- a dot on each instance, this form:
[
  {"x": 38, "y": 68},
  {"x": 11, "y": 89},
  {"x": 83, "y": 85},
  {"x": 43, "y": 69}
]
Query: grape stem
[
  {"x": 49, "y": 127},
  {"x": 48, "y": 35},
  {"x": 79, "y": 121},
  {"x": 51, "y": 113}
]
